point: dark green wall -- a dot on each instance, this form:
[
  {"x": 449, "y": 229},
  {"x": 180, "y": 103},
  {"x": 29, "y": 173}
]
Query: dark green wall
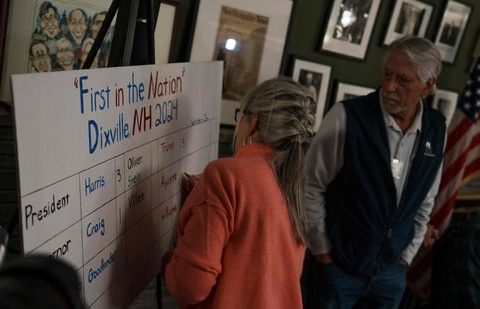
[{"x": 307, "y": 25}]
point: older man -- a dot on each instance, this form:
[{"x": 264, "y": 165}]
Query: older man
[{"x": 373, "y": 171}]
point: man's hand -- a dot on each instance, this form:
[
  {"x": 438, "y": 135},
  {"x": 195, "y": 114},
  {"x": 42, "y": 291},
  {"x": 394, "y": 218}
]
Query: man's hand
[
  {"x": 324, "y": 258},
  {"x": 404, "y": 263},
  {"x": 431, "y": 236}
]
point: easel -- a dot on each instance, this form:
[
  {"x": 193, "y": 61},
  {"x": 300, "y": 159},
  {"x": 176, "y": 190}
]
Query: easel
[
  {"x": 132, "y": 44},
  {"x": 133, "y": 37}
]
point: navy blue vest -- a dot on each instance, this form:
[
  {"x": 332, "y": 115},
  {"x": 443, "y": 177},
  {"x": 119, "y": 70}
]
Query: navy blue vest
[{"x": 366, "y": 228}]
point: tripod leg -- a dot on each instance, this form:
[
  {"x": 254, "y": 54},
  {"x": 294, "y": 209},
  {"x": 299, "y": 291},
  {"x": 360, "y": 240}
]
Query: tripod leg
[{"x": 101, "y": 33}]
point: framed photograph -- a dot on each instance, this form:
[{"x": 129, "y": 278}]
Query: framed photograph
[
  {"x": 248, "y": 36},
  {"x": 445, "y": 101},
  {"x": 350, "y": 26},
  {"x": 348, "y": 91},
  {"x": 164, "y": 35},
  {"x": 409, "y": 17},
  {"x": 470, "y": 192},
  {"x": 451, "y": 30},
  {"x": 316, "y": 77}
]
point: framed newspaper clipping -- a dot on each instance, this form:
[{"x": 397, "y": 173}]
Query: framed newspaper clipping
[{"x": 248, "y": 36}]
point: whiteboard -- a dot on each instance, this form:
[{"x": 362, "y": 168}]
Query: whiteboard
[{"x": 100, "y": 158}]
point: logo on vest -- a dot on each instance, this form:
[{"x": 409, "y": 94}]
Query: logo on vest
[{"x": 428, "y": 150}]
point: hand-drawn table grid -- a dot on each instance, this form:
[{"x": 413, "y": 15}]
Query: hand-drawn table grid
[{"x": 132, "y": 196}]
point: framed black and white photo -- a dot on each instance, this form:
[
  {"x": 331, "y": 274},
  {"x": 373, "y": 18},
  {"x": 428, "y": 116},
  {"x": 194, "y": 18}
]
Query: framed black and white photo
[
  {"x": 316, "y": 77},
  {"x": 409, "y": 17},
  {"x": 248, "y": 36},
  {"x": 350, "y": 26},
  {"x": 445, "y": 101},
  {"x": 451, "y": 30},
  {"x": 348, "y": 91}
]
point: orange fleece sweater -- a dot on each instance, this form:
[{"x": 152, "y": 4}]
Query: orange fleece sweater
[{"x": 237, "y": 247}]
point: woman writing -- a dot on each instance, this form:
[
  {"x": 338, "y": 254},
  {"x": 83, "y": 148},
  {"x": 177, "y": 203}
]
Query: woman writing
[{"x": 241, "y": 231}]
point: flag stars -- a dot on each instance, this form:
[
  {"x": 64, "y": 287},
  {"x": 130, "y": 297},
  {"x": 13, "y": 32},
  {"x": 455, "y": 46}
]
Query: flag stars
[{"x": 469, "y": 102}]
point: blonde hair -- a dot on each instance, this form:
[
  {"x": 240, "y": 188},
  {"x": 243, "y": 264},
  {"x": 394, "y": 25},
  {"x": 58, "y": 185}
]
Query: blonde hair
[{"x": 285, "y": 113}]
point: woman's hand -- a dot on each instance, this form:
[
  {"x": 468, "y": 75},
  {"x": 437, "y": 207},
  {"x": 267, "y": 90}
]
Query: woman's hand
[{"x": 188, "y": 182}]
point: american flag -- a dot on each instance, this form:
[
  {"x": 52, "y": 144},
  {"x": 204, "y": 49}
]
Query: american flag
[{"x": 461, "y": 163}]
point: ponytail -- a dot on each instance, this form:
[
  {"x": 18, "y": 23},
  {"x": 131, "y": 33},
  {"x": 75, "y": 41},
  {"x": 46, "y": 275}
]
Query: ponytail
[{"x": 285, "y": 113}]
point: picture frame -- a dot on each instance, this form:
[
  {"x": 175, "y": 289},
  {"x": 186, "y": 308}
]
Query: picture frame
[
  {"x": 248, "y": 36},
  {"x": 63, "y": 34},
  {"x": 349, "y": 28},
  {"x": 23, "y": 30},
  {"x": 452, "y": 28},
  {"x": 347, "y": 91},
  {"x": 409, "y": 17},
  {"x": 164, "y": 35},
  {"x": 469, "y": 192},
  {"x": 316, "y": 77},
  {"x": 445, "y": 101}
]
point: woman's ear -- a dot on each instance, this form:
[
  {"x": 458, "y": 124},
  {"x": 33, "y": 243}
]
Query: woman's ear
[{"x": 252, "y": 124}]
